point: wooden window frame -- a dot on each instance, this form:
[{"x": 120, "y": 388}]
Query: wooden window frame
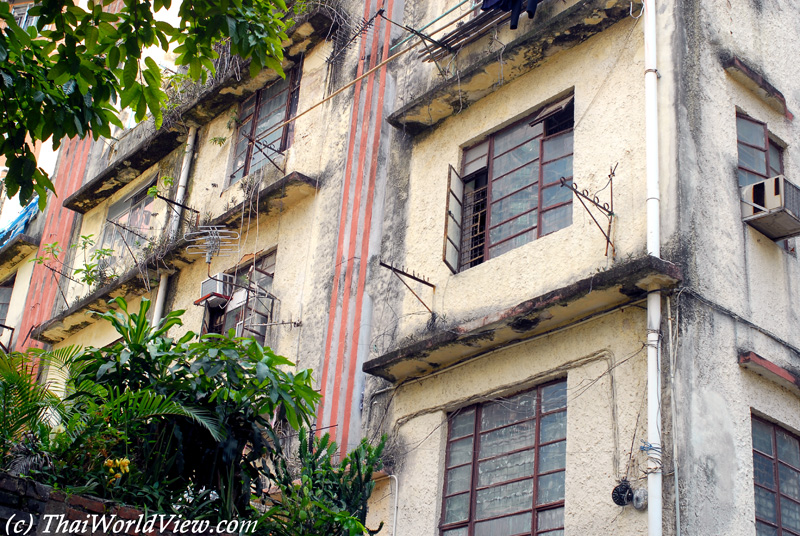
[
  {"x": 456, "y": 200},
  {"x": 768, "y": 143},
  {"x": 475, "y": 459},
  {"x": 292, "y": 91},
  {"x": 115, "y": 212},
  {"x": 779, "y": 496}
]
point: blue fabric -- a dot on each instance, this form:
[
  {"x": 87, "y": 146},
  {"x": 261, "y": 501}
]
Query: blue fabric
[{"x": 17, "y": 227}]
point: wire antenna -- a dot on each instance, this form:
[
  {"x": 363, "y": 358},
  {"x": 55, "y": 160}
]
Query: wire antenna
[
  {"x": 212, "y": 241},
  {"x": 361, "y": 29}
]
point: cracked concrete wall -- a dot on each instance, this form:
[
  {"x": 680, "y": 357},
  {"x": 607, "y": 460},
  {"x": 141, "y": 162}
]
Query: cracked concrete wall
[
  {"x": 609, "y": 116},
  {"x": 749, "y": 284},
  {"x": 603, "y": 362}
]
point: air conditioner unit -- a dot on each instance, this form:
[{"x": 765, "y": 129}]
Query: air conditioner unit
[
  {"x": 772, "y": 207},
  {"x": 217, "y": 290}
]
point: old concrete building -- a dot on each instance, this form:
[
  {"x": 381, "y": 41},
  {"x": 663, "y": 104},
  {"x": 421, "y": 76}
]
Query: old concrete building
[{"x": 549, "y": 262}]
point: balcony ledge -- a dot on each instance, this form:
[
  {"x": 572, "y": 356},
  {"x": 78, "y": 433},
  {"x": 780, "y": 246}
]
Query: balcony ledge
[
  {"x": 281, "y": 194},
  {"x": 623, "y": 284},
  {"x": 16, "y": 250},
  {"x": 131, "y": 283},
  {"x": 548, "y": 35},
  {"x": 146, "y": 146}
]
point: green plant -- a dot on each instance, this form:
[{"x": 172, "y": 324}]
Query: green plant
[
  {"x": 74, "y": 71},
  {"x": 321, "y": 496},
  {"x": 218, "y": 140}
]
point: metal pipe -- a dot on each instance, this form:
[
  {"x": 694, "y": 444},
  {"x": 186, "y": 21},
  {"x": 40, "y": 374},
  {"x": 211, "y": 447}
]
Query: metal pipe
[
  {"x": 396, "y": 497},
  {"x": 175, "y": 224},
  {"x": 654, "y": 476}
]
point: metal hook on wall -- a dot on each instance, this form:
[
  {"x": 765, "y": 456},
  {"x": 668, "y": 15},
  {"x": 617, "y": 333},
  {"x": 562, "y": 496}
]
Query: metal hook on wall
[{"x": 640, "y": 12}]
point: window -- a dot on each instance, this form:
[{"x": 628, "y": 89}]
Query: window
[
  {"x": 21, "y": 16},
  {"x": 776, "y": 475},
  {"x": 252, "y": 305},
  {"x": 256, "y": 142},
  {"x": 128, "y": 227},
  {"x": 505, "y": 466},
  {"x": 5, "y": 300},
  {"x": 509, "y": 191},
  {"x": 759, "y": 157}
]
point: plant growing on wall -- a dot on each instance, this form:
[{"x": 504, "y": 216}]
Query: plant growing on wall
[{"x": 73, "y": 71}]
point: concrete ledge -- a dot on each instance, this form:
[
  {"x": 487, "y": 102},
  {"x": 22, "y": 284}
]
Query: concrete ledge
[
  {"x": 774, "y": 373},
  {"x": 561, "y": 31},
  {"x": 15, "y": 252},
  {"x": 143, "y": 146},
  {"x": 281, "y": 194},
  {"x": 752, "y": 80},
  {"x": 625, "y": 283},
  {"x": 77, "y": 316}
]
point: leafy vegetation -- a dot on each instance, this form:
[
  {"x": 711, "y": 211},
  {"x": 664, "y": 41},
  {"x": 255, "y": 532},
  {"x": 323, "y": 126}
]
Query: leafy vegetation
[
  {"x": 189, "y": 426},
  {"x": 76, "y": 69}
]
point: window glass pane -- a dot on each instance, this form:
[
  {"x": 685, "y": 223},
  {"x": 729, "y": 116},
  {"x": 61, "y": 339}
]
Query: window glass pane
[
  {"x": 506, "y": 439},
  {"x": 515, "y": 204},
  {"x": 504, "y": 526},
  {"x": 790, "y": 514},
  {"x": 516, "y": 158},
  {"x": 790, "y": 482},
  {"x": 514, "y": 136},
  {"x": 554, "y": 397},
  {"x": 746, "y": 178},
  {"x": 552, "y": 457},
  {"x": 248, "y": 106},
  {"x": 515, "y": 242},
  {"x": 764, "y": 470},
  {"x": 456, "y": 532},
  {"x": 515, "y": 180},
  {"x": 231, "y": 318},
  {"x": 752, "y": 158},
  {"x": 551, "y": 519},
  {"x": 556, "y": 219},
  {"x": 506, "y": 468},
  {"x": 472, "y": 167},
  {"x": 477, "y": 153},
  {"x": 554, "y": 426},
  {"x": 750, "y": 132},
  {"x": 459, "y": 479},
  {"x": 456, "y": 508},
  {"x": 765, "y": 505},
  {"x": 556, "y": 194},
  {"x": 462, "y": 424},
  {"x": 775, "y": 157},
  {"x": 553, "y": 171},
  {"x": 556, "y": 146},
  {"x": 552, "y": 533},
  {"x": 762, "y": 529},
  {"x": 460, "y": 451},
  {"x": 508, "y": 410},
  {"x": 788, "y": 448},
  {"x": 504, "y": 499},
  {"x": 762, "y": 437},
  {"x": 517, "y": 225},
  {"x": 551, "y": 488}
]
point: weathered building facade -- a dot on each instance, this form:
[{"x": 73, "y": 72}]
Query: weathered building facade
[{"x": 527, "y": 265}]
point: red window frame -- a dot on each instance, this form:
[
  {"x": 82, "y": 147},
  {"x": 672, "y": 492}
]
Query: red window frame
[
  {"x": 248, "y": 121},
  {"x": 763, "y": 474},
  {"x": 768, "y": 148},
  {"x": 446, "y": 529},
  {"x": 477, "y": 204}
]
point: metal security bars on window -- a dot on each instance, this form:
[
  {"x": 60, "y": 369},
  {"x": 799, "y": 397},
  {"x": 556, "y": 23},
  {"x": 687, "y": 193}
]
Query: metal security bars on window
[{"x": 509, "y": 192}]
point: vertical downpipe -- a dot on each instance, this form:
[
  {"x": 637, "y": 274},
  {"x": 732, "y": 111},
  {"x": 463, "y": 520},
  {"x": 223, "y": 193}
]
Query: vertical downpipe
[
  {"x": 654, "y": 512},
  {"x": 175, "y": 222}
]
